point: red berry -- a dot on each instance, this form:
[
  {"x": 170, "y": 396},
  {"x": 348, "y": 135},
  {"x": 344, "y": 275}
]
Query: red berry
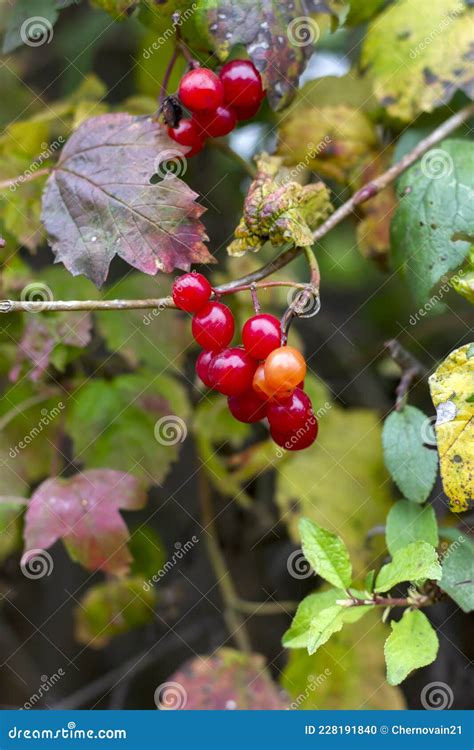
[
  {"x": 191, "y": 291},
  {"x": 242, "y": 83},
  {"x": 213, "y": 326},
  {"x": 261, "y": 335},
  {"x": 297, "y": 440},
  {"x": 217, "y": 122},
  {"x": 232, "y": 371},
  {"x": 187, "y": 133},
  {"x": 246, "y": 113},
  {"x": 285, "y": 367},
  {"x": 202, "y": 368},
  {"x": 291, "y": 413},
  {"x": 201, "y": 89},
  {"x": 247, "y": 408}
]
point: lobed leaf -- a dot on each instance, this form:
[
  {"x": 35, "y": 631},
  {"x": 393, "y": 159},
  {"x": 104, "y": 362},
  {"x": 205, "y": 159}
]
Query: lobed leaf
[{"x": 99, "y": 201}]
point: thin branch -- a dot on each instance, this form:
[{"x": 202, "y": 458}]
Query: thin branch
[
  {"x": 234, "y": 622},
  {"x": 423, "y": 600},
  {"x": 365, "y": 193},
  {"x": 22, "y": 178},
  {"x": 265, "y": 608},
  {"x": 374, "y": 187},
  {"x": 411, "y": 369}
]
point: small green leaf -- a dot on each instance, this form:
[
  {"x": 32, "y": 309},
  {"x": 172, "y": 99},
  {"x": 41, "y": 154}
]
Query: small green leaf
[
  {"x": 297, "y": 635},
  {"x": 326, "y": 553},
  {"x": 412, "y": 643},
  {"x": 457, "y": 572},
  {"x": 413, "y": 466},
  {"x": 330, "y": 621},
  {"x": 111, "y": 608},
  {"x": 407, "y": 522},
  {"x": 412, "y": 563}
]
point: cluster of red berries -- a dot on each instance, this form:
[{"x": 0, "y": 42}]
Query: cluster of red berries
[
  {"x": 217, "y": 102},
  {"x": 262, "y": 379}
]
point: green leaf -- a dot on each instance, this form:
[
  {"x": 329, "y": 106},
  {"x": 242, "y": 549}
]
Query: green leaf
[
  {"x": 412, "y": 465},
  {"x": 414, "y": 562},
  {"x": 433, "y": 227},
  {"x": 279, "y": 37},
  {"x": 418, "y": 60},
  {"x": 407, "y": 523},
  {"x": 412, "y": 644},
  {"x": 330, "y": 621},
  {"x": 457, "y": 572},
  {"x": 451, "y": 387},
  {"x": 297, "y": 634},
  {"x": 326, "y": 553},
  {"x": 112, "y": 608},
  {"x": 147, "y": 550},
  {"x": 347, "y": 673},
  {"x": 134, "y": 423},
  {"x": 27, "y": 27}
]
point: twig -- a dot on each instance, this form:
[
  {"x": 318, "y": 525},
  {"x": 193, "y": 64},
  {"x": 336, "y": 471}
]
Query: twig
[
  {"x": 365, "y": 193},
  {"x": 423, "y": 600},
  {"x": 411, "y": 368},
  {"x": 167, "y": 76},
  {"x": 233, "y": 620},
  {"x": 265, "y": 608},
  {"x": 375, "y": 186},
  {"x": 22, "y": 178}
]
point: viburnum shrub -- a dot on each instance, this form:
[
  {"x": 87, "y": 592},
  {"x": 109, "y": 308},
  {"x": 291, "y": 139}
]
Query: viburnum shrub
[{"x": 309, "y": 337}]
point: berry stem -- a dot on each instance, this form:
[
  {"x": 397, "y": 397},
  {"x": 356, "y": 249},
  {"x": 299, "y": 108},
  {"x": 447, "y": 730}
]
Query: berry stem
[
  {"x": 167, "y": 76},
  {"x": 411, "y": 368},
  {"x": 256, "y": 303}
]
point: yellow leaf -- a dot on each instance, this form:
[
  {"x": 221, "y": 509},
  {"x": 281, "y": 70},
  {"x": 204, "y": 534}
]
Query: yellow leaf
[{"x": 452, "y": 392}]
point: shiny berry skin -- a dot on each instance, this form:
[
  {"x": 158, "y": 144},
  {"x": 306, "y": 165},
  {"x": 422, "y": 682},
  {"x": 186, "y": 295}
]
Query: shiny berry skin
[
  {"x": 297, "y": 440},
  {"x": 285, "y": 368},
  {"x": 242, "y": 83},
  {"x": 289, "y": 414},
  {"x": 187, "y": 133},
  {"x": 191, "y": 291},
  {"x": 213, "y": 326},
  {"x": 263, "y": 390},
  {"x": 261, "y": 335},
  {"x": 201, "y": 89},
  {"x": 202, "y": 368},
  {"x": 232, "y": 371},
  {"x": 216, "y": 122},
  {"x": 246, "y": 113},
  {"x": 247, "y": 408}
]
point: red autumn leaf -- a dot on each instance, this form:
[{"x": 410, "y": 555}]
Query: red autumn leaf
[
  {"x": 83, "y": 511},
  {"x": 99, "y": 201},
  {"x": 227, "y": 680}
]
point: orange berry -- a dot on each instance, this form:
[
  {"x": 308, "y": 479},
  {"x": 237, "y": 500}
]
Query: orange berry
[{"x": 284, "y": 369}]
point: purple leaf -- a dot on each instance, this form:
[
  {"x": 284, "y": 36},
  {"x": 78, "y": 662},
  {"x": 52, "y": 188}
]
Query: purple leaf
[
  {"x": 99, "y": 201},
  {"x": 83, "y": 511}
]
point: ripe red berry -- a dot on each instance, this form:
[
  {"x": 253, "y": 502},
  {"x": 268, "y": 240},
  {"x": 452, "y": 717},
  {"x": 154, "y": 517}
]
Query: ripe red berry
[
  {"x": 217, "y": 122},
  {"x": 284, "y": 368},
  {"x": 232, "y": 371},
  {"x": 242, "y": 83},
  {"x": 246, "y": 113},
  {"x": 213, "y": 326},
  {"x": 297, "y": 440},
  {"x": 191, "y": 291},
  {"x": 202, "y": 368},
  {"x": 261, "y": 335},
  {"x": 291, "y": 413},
  {"x": 187, "y": 133},
  {"x": 247, "y": 408},
  {"x": 201, "y": 89}
]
